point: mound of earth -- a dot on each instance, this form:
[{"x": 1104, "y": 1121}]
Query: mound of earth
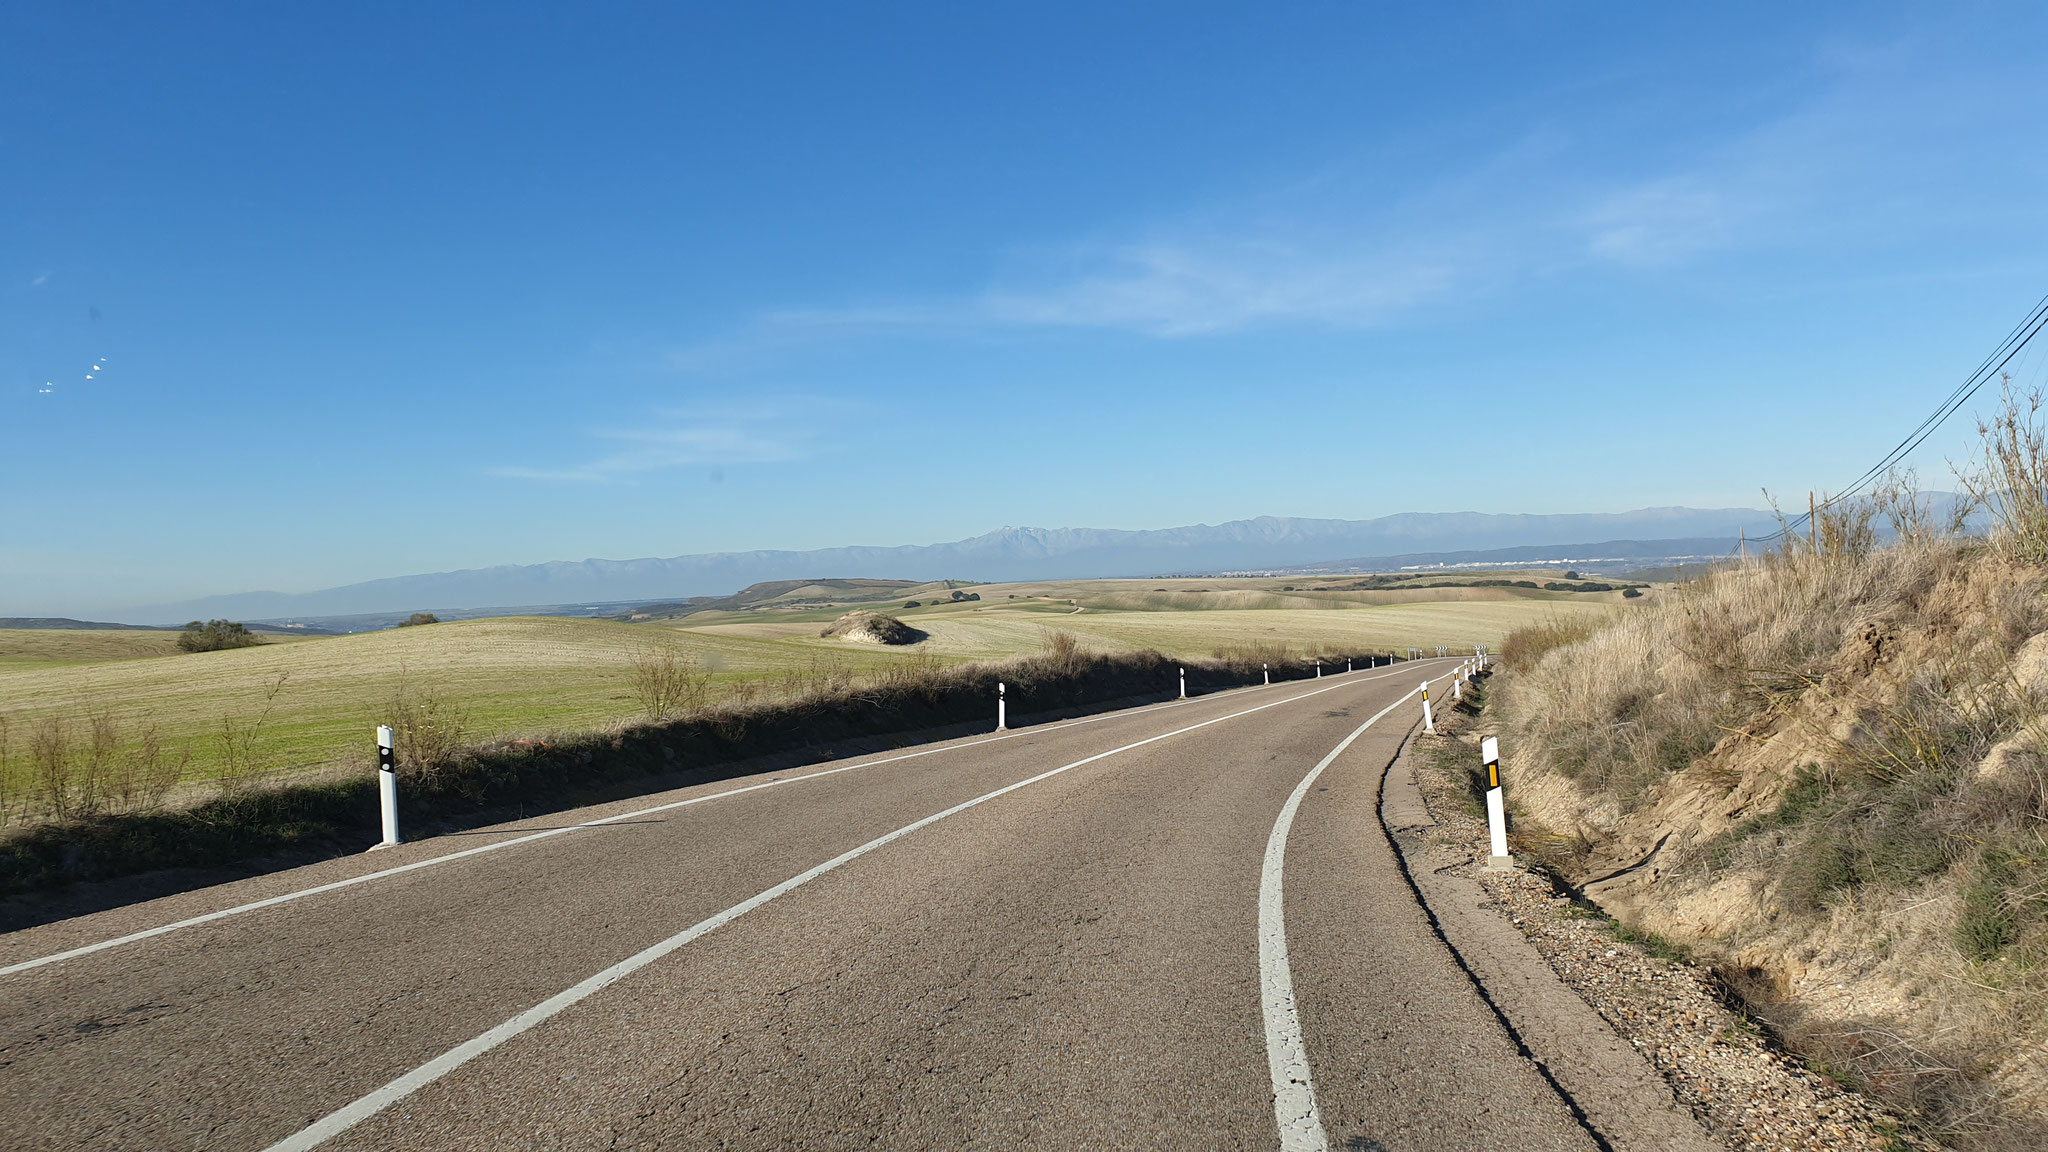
[{"x": 872, "y": 628}]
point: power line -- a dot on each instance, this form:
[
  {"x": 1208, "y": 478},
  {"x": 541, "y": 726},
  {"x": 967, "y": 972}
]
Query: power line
[{"x": 1993, "y": 364}]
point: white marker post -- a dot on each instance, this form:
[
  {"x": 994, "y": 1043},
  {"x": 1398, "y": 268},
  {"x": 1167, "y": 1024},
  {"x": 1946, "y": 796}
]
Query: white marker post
[
  {"x": 387, "y": 787},
  {"x": 1457, "y": 688},
  {"x": 1496, "y": 808},
  {"x": 1183, "y": 683},
  {"x": 1002, "y": 707},
  {"x": 1347, "y": 665},
  {"x": 1428, "y": 721},
  {"x": 1266, "y": 670},
  {"x": 1319, "y": 668}
]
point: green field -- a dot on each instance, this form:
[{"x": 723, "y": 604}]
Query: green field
[{"x": 312, "y": 702}]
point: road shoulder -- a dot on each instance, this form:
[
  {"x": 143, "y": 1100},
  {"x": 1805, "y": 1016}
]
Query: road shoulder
[{"x": 1638, "y": 1040}]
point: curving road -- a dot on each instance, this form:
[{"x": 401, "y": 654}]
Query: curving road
[{"x": 1177, "y": 926}]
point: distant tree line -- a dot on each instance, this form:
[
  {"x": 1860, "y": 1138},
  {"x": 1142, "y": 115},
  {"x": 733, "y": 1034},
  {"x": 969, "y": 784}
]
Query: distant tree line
[{"x": 215, "y": 635}]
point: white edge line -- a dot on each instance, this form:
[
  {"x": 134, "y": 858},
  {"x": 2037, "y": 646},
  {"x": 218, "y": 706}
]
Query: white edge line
[
  {"x": 417, "y": 865},
  {"x": 1294, "y": 1088},
  {"x": 365, "y": 878},
  {"x": 351, "y": 1114}
]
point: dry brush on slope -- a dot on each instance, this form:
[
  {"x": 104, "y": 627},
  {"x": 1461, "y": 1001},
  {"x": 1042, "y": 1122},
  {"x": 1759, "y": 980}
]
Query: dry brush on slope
[{"x": 1827, "y": 772}]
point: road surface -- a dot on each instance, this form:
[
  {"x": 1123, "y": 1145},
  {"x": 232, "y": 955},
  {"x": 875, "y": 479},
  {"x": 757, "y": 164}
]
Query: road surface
[{"x": 1179, "y": 926}]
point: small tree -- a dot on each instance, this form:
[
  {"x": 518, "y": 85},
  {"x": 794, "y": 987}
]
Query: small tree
[
  {"x": 419, "y": 618},
  {"x": 215, "y": 635}
]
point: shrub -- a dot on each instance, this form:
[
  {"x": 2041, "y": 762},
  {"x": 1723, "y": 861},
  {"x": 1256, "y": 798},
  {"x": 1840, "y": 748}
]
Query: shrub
[
  {"x": 430, "y": 732},
  {"x": 215, "y": 636},
  {"x": 419, "y": 618},
  {"x": 1062, "y": 651},
  {"x": 667, "y": 683},
  {"x": 920, "y": 603},
  {"x": 1631, "y": 593}
]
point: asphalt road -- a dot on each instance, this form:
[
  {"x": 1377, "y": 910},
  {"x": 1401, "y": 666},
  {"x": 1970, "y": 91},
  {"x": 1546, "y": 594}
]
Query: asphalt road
[{"x": 1052, "y": 939}]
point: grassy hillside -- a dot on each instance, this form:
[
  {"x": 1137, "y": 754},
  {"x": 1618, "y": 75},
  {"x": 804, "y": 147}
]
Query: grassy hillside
[
  {"x": 1826, "y": 774},
  {"x": 39, "y": 647},
  {"x": 310, "y": 704}
]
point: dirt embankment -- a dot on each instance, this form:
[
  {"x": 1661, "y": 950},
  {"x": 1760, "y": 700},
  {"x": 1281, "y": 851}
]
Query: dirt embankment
[
  {"x": 863, "y": 627},
  {"x": 1827, "y": 776}
]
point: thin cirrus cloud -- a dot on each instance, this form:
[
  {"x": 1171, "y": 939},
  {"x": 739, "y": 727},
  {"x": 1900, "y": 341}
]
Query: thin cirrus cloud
[
  {"x": 1190, "y": 288},
  {"x": 678, "y": 442}
]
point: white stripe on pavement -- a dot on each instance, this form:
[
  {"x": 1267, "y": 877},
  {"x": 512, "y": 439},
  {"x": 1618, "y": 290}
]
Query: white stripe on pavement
[
  {"x": 385, "y": 873},
  {"x": 357, "y": 1111},
  {"x": 1294, "y": 1088}
]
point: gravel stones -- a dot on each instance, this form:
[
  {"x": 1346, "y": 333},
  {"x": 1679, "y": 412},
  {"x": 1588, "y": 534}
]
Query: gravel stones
[{"x": 1744, "y": 1092}]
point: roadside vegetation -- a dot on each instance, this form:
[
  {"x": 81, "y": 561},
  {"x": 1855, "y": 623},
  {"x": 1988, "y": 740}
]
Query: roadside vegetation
[
  {"x": 95, "y": 814},
  {"x": 297, "y": 706},
  {"x": 116, "y": 747},
  {"x": 1826, "y": 772}
]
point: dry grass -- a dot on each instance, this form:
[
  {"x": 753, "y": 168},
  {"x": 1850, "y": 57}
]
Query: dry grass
[
  {"x": 1889, "y": 707},
  {"x": 227, "y": 720},
  {"x": 46, "y": 647},
  {"x": 453, "y": 780}
]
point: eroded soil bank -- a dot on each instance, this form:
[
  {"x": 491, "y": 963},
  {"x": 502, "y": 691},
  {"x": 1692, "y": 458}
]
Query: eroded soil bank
[{"x": 1825, "y": 776}]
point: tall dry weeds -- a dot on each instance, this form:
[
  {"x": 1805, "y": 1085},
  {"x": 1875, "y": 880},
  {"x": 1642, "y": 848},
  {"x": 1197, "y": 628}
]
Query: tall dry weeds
[
  {"x": 1911, "y": 683},
  {"x": 239, "y": 741},
  {"x": 2010, "y": 478},
  {"x": 10, "y": 804},
  {"x": 430, "y": 732},
  {"x": 667, "y": 683},
  {"x": 1062, "y": 652}
]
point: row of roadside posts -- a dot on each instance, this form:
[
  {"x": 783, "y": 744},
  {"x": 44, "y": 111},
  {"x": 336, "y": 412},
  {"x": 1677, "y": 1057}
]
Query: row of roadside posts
[
  {"x": 1489, "y": 758},
  {"x": 387, "y": 765}
]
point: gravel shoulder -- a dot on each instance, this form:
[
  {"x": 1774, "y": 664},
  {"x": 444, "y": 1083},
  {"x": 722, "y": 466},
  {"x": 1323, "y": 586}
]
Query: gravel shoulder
[{"x": 1709, "y": 1062}]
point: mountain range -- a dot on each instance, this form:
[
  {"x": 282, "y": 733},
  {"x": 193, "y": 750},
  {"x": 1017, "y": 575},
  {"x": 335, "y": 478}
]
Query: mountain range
[{"x": 1264, "y": 543}]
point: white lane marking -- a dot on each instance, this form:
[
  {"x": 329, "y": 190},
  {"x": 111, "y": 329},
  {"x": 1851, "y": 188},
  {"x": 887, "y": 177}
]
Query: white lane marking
[
  {"x": 386, "y": 873},
  {"x": 1294, "y": 1088},
  {"x": 359, "y": 1110},
  {"x": 365, "y": 878}
]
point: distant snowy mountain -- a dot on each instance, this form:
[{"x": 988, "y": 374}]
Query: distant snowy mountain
[{"x": 1264, "y": 543}]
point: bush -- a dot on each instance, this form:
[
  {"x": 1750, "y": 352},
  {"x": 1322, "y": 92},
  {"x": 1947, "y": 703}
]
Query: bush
[
  {"x": 215, "y": 636},
  {"x": 1631, "y": 593},
  {"x": 920, "y": 603},
  {"x": 419, "y": 618},
  {"x": 668, "y": 683}
]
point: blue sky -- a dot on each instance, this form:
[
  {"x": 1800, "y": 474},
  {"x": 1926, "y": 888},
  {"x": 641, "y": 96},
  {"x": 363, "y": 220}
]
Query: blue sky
[{"x": 384, "y": 289}]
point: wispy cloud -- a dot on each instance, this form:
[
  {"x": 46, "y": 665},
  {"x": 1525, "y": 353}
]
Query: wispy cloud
[
  {"x": 1663, "y": 222},
  {"x": 768, "y": 433},
  {"x": 1835, "y": 163},
  {"x": 1192, "y": 287}
]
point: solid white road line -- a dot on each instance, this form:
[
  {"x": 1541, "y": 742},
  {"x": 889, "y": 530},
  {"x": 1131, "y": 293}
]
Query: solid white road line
[
  {"x": 1294, "y": 1088},
  {"x": 354, "y": 1113},
  {"x": 449, "y": 858},
  {"x": 385, "y": 873}
]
